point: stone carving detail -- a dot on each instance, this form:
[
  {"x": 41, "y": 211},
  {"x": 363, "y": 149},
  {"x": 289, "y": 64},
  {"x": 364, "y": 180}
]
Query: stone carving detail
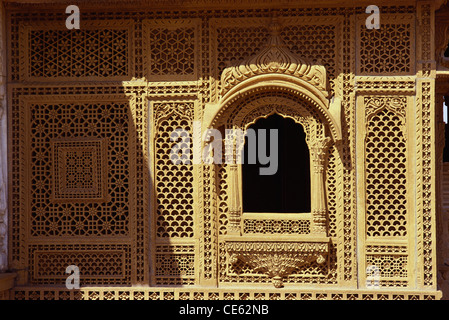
[
  {"x": 100, "y": 50},
  {"x": 387, "y": 50},
  {"x": 79, "y": 169},
  {"x": 174, "y": 182},
  {"x": 171, "y": 49},
  {"x": 276, "y": 259},
  {"x": 3, "y": 154},
  {"x": 175, "y": 264},
  {"x": 105, "y": 264},
  {"x": 183, "y": 54},
  {"x": 319, "y": 155},
  {"x": 396, "y": 105},
  {"x": 274, "y": 58},
  {"x": 386, "y": 176},
  {"x": 276, "y": 226}
]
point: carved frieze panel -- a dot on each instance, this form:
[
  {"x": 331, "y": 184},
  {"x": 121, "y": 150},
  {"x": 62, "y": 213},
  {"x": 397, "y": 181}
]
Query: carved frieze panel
[
  {"x": 386, "y": 85},
  {"x": 276, "y": 259},
  {"x": 275, "y": 225},
  {"x": 98, "y": 264}
]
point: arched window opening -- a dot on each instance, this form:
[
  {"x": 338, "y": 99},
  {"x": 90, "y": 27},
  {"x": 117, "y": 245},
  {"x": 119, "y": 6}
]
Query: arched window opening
[{"x": 288, "y": 190}]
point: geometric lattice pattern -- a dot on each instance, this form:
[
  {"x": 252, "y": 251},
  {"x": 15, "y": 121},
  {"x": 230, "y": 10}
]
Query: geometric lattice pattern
[
  {"x": 107, "y": 264},
  {"x": 387, "y": 50},
  {"x": 210, "y": 294},
  {"x": 80, "y": 169},
  {"x": 78, "y": 144},
  {"x": 331, "y": 181},
  {"x": 386, "y": 183},
  {"x": 81, "y": 192},
  {"x": 271, "y": 226},
  {"x": 305, "y": 40},
  {"x": 236, "y": 43},
  {"x": 172, "y": 50},
  {"x": 84, "y": 53},
  {"x": 391, "y": 267},
  {"x": 175, "y": 265},
  {"x": 174, "y": 181}
]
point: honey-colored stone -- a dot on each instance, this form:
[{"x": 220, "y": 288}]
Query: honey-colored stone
[{"x": 86, "y": 178}]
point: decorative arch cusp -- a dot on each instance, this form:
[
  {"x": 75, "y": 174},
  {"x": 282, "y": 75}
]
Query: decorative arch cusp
[{"x": 293, "y": 92}]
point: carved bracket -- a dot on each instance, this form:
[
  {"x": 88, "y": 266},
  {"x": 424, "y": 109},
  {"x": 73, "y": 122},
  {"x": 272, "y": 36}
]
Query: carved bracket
[{"x": 277, "y": 259}]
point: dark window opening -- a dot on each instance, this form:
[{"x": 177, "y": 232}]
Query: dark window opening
[
  {"x": 446, "y": 53},
  {"x": 288, "y": 190}
]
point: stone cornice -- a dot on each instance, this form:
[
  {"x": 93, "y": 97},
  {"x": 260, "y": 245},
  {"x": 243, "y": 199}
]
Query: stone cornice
[{"x": 210, "y": 4}]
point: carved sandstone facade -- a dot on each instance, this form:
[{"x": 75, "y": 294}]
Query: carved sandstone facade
[{"x": 87, "y": 178}]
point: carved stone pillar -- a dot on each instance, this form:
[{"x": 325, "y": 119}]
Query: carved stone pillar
[
  {"x": 235, "y": 206},
  {"x": 3, "y": 150},
  {"x": 318, "y": 201}
]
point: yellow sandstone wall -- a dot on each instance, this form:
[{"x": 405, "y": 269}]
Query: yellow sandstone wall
[{"x": 91, "y": 182}]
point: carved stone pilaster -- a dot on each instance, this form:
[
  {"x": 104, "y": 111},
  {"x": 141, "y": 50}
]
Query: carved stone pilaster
[
  {"x": 235, "y": 206},
  {"x": 3, "y": 152},
  {"x": 318, "y": 152},
  {"x": 319, "y": 221}
]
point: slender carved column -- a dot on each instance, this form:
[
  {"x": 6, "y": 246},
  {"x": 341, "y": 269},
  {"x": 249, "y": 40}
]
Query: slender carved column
[
  {"x": 235, "y": 207},
  {"x": 318, "y": 201},
  {"x": 3, "y": 151}
]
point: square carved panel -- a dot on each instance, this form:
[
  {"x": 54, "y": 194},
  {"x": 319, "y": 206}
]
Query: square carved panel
[
  {"x": 79, "y": 169},
  {"x": 171, "y": 49}
]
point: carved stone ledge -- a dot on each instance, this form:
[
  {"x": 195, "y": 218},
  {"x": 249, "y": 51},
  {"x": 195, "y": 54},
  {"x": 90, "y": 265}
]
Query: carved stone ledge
[{"x": 277, "y": 258}]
